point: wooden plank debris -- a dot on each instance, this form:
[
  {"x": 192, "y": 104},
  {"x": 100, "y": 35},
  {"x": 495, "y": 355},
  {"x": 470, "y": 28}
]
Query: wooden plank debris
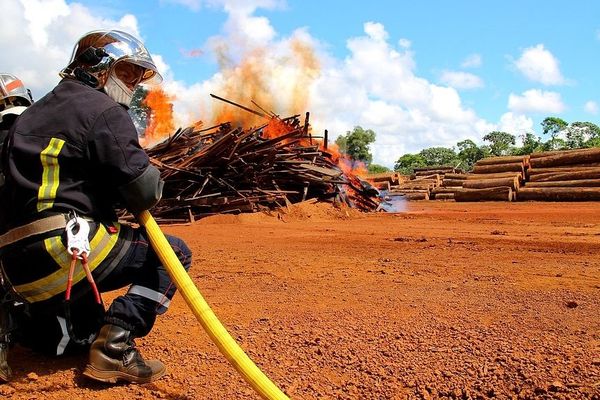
[{"x": 229, "y": 169}]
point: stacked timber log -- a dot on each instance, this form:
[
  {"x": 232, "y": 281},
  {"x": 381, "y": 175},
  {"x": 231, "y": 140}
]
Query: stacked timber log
[
  {"x": 385, "y": 180},
  {"x": 494, "y": 179},
  {"x": 231, "y": 170},
  {"x": 424, "y": 184},
  {"x": 571, "y": 175},
  {"x": 451, "y": 183}
]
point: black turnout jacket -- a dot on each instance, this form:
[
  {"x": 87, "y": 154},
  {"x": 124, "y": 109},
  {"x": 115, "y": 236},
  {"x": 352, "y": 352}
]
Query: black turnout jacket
[{"x": 75, "y": 149}]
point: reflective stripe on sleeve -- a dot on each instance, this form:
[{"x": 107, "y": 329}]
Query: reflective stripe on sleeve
[{"x": 50, "y": 174}]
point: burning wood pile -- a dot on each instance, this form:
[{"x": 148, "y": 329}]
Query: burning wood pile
[{"x": 223, "y": 169}]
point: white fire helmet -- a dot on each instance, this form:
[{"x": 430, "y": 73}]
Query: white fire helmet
[
  {"x": 14, "y": 96},
  {"x": 113, "y": 61}
]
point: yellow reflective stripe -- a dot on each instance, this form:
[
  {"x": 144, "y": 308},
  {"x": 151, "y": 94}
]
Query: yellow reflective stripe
[
  {"x": 49, "y": 159},
  {"x": 55, "y": 283}
]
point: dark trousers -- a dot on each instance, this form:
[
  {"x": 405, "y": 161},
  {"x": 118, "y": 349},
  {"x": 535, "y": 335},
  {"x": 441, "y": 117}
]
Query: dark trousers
[
  {"x": 151, "y": 287},
  {"x": 44, "y": 326}
]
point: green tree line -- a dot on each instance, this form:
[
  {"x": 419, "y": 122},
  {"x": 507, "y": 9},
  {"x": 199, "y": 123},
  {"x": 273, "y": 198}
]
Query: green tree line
[{"x": 562, "y": 136}]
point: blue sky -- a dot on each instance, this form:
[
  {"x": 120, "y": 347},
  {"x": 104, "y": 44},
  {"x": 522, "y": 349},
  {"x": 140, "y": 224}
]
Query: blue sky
[{"x": 419, "y": 74}]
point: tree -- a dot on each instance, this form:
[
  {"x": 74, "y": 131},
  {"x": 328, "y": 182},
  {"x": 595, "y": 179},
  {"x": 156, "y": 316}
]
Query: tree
[
  {"x": 139, "y": 111},
  {"x": 500, "y": 142},
  {"x": 376, "y": 168},
  {"x": 469, "y": 153},
  {"x": 439, "y": 156},
  {"x": 554, "y": 144},
  {"x": 408, "y": 162},
  {"x": 581, "y": 134},
  {"x": 553, "y": 126},
  {"x": 341, "y": 143},
  {"x": 531, "y": 144},
  {"x": 356, "y": 144}
]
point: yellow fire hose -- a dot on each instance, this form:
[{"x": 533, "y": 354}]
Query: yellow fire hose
[{"x": 207, "y": 318}]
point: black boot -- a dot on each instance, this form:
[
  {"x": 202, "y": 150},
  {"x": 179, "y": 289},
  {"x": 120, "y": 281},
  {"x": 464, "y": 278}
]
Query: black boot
[{"x": 113, "y": 357}]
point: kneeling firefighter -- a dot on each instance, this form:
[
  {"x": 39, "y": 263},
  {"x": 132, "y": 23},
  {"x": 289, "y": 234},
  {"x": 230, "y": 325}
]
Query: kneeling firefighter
[
  {"x": 72, "y": 158},
  {"x": 14, "y": 99}
]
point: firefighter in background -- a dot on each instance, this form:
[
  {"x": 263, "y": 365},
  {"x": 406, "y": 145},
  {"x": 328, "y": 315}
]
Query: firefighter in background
[
  {"x": 14, "y": 99},
  {"x": 72, "y": 158}
]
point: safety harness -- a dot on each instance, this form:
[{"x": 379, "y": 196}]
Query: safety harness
[
  {"x": 78, "y": 249},
  {"x": 78, "y": 246}
]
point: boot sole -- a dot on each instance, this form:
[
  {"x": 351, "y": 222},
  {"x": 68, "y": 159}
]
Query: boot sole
[{"x": 116, "y": 376}]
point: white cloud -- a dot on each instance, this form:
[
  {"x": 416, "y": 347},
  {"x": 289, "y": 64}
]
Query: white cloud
[
  {"x": 461, "y": 80},
  {"x": 591, "y": 107},
  {"x": 243, "y": 6},
  {"x": 407, "y": 112},
  {"x": 376, "y": 31},
  {"x": 540, "y": 65},
  {"x": 535, "y": 100},
  {"x": 38, "y": 36},
  {"x": 472, "y": 61},
  {"x": 516, "y": 124}
]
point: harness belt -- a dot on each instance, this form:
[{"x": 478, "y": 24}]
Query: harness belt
[{"x": 37, "y": 227}]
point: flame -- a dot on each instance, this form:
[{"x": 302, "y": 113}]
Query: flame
[
  {"x": 275, "y": 128},
  {"x": 346, "y": 164},
  {"x": 161, "y": 121}
]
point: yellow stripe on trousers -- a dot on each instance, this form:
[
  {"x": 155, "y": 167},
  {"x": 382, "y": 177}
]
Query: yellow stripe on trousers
[
  {"x": 55, "y": 283},
  {"x": 50, "y": 174}
]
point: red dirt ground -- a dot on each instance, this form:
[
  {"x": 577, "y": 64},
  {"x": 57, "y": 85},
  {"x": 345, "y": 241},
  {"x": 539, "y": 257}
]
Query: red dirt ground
[{"x": 444, "y": 300}]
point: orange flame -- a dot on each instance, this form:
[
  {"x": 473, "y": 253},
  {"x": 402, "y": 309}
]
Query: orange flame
[
  {"x": 346, "y": 164},
  {"x": 161, "y": 121},
  {"x": 275, "y": 128}
]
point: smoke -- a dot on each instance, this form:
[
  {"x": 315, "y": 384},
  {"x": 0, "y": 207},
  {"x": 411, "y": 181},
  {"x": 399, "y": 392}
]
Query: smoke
[{"x": 393, "y": 204}]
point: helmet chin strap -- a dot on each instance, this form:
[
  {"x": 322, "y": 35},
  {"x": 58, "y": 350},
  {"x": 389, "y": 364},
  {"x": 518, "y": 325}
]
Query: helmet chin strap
[{"x": 117, "y": 90}]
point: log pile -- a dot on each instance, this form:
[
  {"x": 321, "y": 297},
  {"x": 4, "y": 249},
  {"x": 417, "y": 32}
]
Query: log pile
[
  {"x": 427, "y": 183},
  {"x": 385, "y": 180},
  {"x": 451, "y": 183},
  {"x": 223, "y": 169},
  {"x": 572, "y": 175},
  {"x": 494, "y": 179}
]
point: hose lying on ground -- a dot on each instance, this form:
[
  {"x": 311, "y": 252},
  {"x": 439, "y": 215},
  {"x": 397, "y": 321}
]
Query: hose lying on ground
[{"x": 207, "y": 318}]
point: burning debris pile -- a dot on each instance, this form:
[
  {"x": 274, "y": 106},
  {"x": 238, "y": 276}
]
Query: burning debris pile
[{"x": 223, "y": 169}]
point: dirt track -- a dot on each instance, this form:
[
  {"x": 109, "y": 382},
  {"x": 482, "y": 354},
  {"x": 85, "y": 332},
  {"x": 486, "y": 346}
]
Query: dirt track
[{"x": 445, "y": 300}]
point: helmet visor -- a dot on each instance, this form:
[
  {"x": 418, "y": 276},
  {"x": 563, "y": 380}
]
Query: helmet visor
[
  {"x": 124, "y": 48},
  {"x": 107, "y": 49}
]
